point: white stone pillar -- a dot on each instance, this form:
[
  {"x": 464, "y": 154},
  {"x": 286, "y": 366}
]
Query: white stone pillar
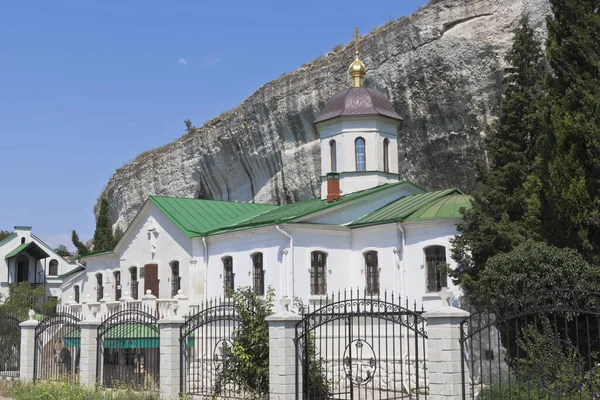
[
  {"x": 89, "y": 352},
  {"x": 170, "y": 354},
  {"x": 282, "y": 356},
  {"x": 149, "y": 302},
  {"x": 444, "y": 355},
  {"x": 27, "y": 348}
]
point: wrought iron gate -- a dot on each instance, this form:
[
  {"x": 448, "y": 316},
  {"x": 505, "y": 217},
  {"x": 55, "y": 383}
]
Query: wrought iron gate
[
  {"x": 57, "y": 347},
  {"x": 10, "y": 344},
  {"x": 539, "y": 345},
  {"x": 352, "y": 347},
  {"x": 129, "y": 349},
  {"x": 206, "y": 341}
]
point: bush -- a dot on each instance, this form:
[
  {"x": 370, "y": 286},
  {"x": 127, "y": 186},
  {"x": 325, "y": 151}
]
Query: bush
[{"x": 48, "y": 390}]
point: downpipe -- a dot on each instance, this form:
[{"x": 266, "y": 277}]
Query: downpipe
[
  {"x": 287, "y": 235},
  {"x": 401, "y": 257},
  {"x": 205, "y": 268}
]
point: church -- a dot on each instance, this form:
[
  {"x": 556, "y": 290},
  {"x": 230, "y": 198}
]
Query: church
[{"x": 369, "y": 230}]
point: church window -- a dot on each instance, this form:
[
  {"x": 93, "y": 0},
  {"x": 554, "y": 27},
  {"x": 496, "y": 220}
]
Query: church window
[
  {"x": 359, "y": 151},
  {"x": 76, "y": 289},
  {"x": 372, "y": 273},
  {"x": 333, "y": 155},
  {"x": 318, "y": 268},
  {"x": 117, "y": 285},
  {"x": 259, "y": 274},
  {"x": 53, "y": 268},
  {"x": 386, "y": 155},
  {"x": 435, "y": 259},
  {"x": 134, "y": 282},
  {"x": 175, "y": 278},
  {"x": 228, "y": 284},
  {"x": 99, "y": 287}
]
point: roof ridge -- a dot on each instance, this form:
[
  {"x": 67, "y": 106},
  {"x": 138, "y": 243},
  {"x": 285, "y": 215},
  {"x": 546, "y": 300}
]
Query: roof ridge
[{"x": 211, "y": 200}]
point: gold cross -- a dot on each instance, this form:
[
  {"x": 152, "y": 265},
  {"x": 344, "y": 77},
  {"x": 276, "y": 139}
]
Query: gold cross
[{"x": 357, "y": 38}]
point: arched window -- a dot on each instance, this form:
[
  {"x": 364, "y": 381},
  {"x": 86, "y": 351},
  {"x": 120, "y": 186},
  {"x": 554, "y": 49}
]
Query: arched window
[
  {"x": 22, "y": 268},
  {"x": 386, "y": 155},
  {"x": 259, "y": 274},
  {"x": 175, "y": 278},
  {"x": 76, "y": 289},
  {"x": 372, "y": 273},
  {"x": 228, "y": 284},
  {"x": 134, "y": 282},
  {"x": 117, "y": 285},
  {"x": 318, "y": 270},
  {"x": 99, "y": 287},
  {"x": 435, "y": 259},
  {"x": 22, "y": 240},
  {"x": 333, "y": 155},
  {"x": 53, "y": 268},
  {"x": 359, "y": 154}
]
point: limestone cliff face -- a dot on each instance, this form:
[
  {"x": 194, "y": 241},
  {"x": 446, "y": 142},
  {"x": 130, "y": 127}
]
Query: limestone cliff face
[{"x": 441, "y": 68}]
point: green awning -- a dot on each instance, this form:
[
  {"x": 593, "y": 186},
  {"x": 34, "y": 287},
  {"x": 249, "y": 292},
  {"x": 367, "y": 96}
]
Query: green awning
[
  {"x": 30, "y": 248},
  {"x": 125, "y": 336}
]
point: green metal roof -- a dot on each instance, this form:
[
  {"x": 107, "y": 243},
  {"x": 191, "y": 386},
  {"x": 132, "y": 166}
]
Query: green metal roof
[
  {"x": 431, "y": 205},
  {"x": 16, "y": 251},
  {"x": 446, "y": 207},
  {"x": 31, "y": 248},
  {"x": 203, "y": 217},
  {"x": 96, "y": 253},
  {"x": 71, "y": 272},
  {"x": 293, "y": 211}
]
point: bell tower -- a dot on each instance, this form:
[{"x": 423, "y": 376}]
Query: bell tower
[{"x": 358, "y": 131}]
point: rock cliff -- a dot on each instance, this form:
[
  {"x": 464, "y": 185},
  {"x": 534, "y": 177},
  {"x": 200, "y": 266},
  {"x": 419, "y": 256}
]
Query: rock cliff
[{"x": 441, "y": 67}]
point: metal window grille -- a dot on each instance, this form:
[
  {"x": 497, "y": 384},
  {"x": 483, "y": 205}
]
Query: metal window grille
[
  {"x": 134, "y": 284},
  {"x": 175, "y": 278},
  {"x": 259, "y": 274},
  {"x": 228, "y": 284},
  {"x": 359, "y": 149},
  {"x": 99, "y": 288},
  {"x": 117, "y": 285},
  {"x": 435, "y": 257},
  {"x": 76, "y": 288},
  {"x": 318, "y": 267},
  {"x": 372, "y": 273}
]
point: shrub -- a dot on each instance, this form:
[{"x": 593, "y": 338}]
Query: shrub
[{"x": 49, "y": 390}]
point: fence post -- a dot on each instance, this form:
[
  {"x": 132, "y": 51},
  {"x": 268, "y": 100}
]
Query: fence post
[
  {"x": 443, "y": 351},
  {"x": 27, "y": 356},
  {"x": 89, "y": 352},
  {"x": 170, "y": 356},
  {"x": 282, "y": 355}
]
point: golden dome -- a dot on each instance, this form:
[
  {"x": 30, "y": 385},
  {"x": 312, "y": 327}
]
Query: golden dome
[{"x": 357, "y": 69}]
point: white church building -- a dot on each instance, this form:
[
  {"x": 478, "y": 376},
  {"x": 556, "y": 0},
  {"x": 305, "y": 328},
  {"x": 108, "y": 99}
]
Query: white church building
[{"x": 369, "y": 231}]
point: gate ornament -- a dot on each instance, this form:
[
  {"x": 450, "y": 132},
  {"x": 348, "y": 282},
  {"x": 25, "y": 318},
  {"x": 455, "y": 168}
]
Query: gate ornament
[
  {"x": 359, "y": 362},
  {"x": 222, "y": 352}
]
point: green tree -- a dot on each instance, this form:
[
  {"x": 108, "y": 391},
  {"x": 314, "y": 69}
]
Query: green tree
[
  {"x": 103, "y": 235},
  {"x": 118, "y": 235},
  {"x": 565, "y": 206},
  {"x": 494, "y": 223},
  {"x": 82, "y": 249},
  {"x": 62, "y": 251},
  {"x": 4, "y": 234},
  {"x": 22, "y": 297},
  {"x": 189, "y": 127}
]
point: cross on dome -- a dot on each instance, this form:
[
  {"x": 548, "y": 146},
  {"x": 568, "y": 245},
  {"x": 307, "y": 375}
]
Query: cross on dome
[{"x": 357, "y": 69}]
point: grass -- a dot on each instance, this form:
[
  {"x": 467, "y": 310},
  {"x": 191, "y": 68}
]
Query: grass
[{"x": 47, "y": 390}]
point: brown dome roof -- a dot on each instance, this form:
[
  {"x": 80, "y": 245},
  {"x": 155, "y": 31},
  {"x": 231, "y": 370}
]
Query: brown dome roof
[{"x": 358, "y": 101}]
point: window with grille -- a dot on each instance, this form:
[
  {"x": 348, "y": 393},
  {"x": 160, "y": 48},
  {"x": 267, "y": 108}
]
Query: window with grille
[
  {"x": 372, "y": 273},
  {"x": 134, "y": 283},
  {"x": 228, "y": 284},
  {"x": 76, "y": 288},
  {"x": 359, "y": 151},
  {"x": 435, "y": 258},
  {"x": 117, "y": 285},
  {"x": 386, "y": 155},
  {"x": 99, "y": 288},
  {"x": 259, "y": 274},
  {"x": 318, "y": 269},
  {"x": 175, "y": 278}
]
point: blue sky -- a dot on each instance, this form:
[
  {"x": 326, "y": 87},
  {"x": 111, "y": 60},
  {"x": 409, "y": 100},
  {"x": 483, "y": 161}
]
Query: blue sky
[{"x": 85, "y": 86}]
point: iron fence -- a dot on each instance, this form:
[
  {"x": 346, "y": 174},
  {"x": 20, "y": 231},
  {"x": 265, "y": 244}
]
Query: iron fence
[
  {"x": 206, "y": 342},
  {"x": 129, "y": 349},
  {"x": 539, "y": 345},
  {"x": 353, "y": 346},
  {"x": 10, "y": 344},
  {"x": 57, "y": 347}
]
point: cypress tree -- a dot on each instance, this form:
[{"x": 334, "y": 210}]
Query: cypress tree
[
  {"x": 82, "y": 249},
  {"x": 103, "y": 235},
  {"x": 494, "y": 224},
  {"x": 568, "y": 200}
]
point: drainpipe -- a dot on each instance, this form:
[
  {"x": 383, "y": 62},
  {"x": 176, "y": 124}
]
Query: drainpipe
[
  {"x": 401, "y": 252},
  {"x": 205, "y": 268},
  {"x": 284, "y": 233}
]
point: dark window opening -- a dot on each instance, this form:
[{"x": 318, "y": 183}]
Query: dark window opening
[
  {"x": 318, "y": 270},
  {"x": 76, "y": 288},
  {"x": 99, "y": 287},
  {"x": 386, "y": 155},
  {"x": 134, "y": 282},
  {"x": 53, "y": 268},
  {"x": 259, "y": 274},
  {"x": 117, "y": 285},
  {"x": 175, "y": 278},
  {"x": 228, "y": 283},
  {"x": 437, "y": 278},
  {"x": 372, "y": 273}
]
